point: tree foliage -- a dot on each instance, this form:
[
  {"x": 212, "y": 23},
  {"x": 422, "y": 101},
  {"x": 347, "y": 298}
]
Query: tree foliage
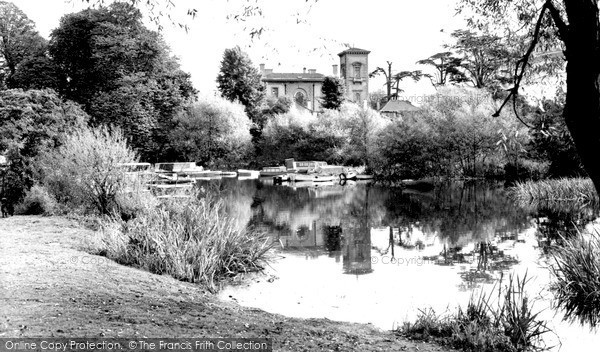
[
  {"x": 332, "y": 92},
  {"x": 122, "y": 73},
  {"x": 446, "y": 66},
  {"x": 213, "y": 132},
  {"x": 572, "y": 26},
  {"x": 86, "y": 170},
  {"x": 30, "y": 122},
  {"x": 238, "y": 80},
  {"x": 22, "y": 51}
]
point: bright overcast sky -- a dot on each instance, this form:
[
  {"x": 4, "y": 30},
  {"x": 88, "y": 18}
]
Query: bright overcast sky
[{"x": 401, "y": 31}]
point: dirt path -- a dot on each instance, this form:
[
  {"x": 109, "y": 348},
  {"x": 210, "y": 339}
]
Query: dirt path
[{"x": 50, "y": 287}]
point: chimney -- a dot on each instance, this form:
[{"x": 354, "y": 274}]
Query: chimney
[
  {"x": 304, "y": 70},
  {"x": 312, "y": 70},
  {"x": 335, "y": 73},
  {"x": 262, "y": 68}
]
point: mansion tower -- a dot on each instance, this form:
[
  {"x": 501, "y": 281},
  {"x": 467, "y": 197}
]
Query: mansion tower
[{"x": 304, "y": 89}]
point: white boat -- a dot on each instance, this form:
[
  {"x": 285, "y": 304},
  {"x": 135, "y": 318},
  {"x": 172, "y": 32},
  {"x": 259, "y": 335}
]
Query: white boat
[
  {"x": 364, "y": 177},
  {"x": 229, "y": 174},
  {"x": 248, "y": 173},
  {"x": 270, "y": 171}
]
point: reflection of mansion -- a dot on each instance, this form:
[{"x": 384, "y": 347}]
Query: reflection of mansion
[{"x": 304, "y": 89}]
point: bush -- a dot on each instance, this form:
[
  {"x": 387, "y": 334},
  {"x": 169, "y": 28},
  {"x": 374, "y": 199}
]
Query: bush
[
  {"x": 348, "y": 136},
  {"x": 85, "y": 173},
  {"x": 213, "y": 132},
  {"x": 31, "y": 122},
  {"x": 37, "y": 201},
  {"x": 191, "y": 240}
]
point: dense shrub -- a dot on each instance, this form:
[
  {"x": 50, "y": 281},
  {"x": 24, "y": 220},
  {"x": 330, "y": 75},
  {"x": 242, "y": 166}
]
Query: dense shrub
[
  {"x": 347, "y": 136},
  {"x": 213, "y": 132},
  {"x": 84, "y": 172},
  {"x": 453, "y": 134},
  {"x": 37, "y": 201},
  {"x": 31, "y": 122}
]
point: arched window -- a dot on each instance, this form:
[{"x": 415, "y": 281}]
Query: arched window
[{"x": 300, "y": 98}]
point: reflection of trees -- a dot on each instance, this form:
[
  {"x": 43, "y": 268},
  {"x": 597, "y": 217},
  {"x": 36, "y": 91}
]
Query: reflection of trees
[
  {"x": 556, "y": 220},
  {"x": 457, "y": 210}
]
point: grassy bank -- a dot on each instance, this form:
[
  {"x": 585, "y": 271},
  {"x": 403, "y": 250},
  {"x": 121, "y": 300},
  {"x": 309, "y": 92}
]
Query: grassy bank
[
  {"x": 55, "y": 288},
  {"x": 190, "y": 239},
  {"x": 579, "y": 190},
  {"x": 486, "y": 325}
]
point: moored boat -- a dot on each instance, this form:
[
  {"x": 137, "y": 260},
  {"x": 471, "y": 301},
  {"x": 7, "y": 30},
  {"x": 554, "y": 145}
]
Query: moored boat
[
  {"x": 364, "y": 177},
  {"x": 248, "y": 173},
  {"x": 270, "y": 171},
  {"x": 229, "y": 174}
]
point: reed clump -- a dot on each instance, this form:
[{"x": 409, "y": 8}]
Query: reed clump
[
  {"x": 486, "y": 325},
  {"x": 579, "y": 190},
  {"x": 576, "y": 284},
  {"x": 192, "y": 240}
]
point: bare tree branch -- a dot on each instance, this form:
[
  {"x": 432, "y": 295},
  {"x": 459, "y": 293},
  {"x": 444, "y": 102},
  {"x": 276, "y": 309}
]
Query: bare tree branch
[{"x": 522, "y": 63}]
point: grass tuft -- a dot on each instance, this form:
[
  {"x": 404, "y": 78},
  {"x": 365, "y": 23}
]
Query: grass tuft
[
  {"x": 486, "y": 325},
  {"x": 580, "y": 190},
  {"x": 192, "y": 240},
  {"x": 576, "y": 272}
]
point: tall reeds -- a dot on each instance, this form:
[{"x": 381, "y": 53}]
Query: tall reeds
[
  {"x": 580, "y": 190},
  {"x": 487, "y": 324},
  {"x": 192, "y": 240},
  {"x": 576, "y": 271}
]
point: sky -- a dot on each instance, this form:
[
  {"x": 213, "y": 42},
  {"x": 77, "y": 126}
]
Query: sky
[{"x": 297, "y": 33}]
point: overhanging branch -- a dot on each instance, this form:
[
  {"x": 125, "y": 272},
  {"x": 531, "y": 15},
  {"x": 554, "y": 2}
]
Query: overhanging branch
[{"x": 524, "y": 61}]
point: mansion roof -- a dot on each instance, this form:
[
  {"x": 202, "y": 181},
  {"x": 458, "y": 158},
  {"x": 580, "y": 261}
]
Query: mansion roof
[{"x": 293, "y": 77}]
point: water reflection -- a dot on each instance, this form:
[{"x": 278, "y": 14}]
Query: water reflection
[
  {"x": 468, "y": 224},
  {"x": 391, "y": 252}
]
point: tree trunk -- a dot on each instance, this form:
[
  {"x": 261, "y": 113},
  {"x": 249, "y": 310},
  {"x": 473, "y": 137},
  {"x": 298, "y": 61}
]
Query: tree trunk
[{"x": 582, "y": 109}]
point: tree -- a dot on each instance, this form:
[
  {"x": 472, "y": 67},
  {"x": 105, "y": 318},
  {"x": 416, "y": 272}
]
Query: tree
[
  {"x": 392, "y": 80},
  {"x": 446, "y": 69},
  {"x": 30, "y": 122},
  {"x": 486, "y": 59},
  {"x": 238, "y": 80},
  {"x": 575, "y": 24},
  {"x": 333, "y": 93},
  {"x": 122, "y": 73},
  {"x": 213, "y": 132},
  {"x": 20, "y": 45}
]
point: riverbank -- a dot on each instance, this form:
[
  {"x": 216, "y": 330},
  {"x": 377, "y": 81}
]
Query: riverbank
[{"x": 51, "y": 286}]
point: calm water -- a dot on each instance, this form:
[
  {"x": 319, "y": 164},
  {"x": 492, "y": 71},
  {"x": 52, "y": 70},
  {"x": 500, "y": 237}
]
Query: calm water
[{"x": 370, "y": 254}]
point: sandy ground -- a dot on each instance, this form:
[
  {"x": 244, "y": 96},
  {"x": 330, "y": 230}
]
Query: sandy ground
[{"x": 51, "y": 287}]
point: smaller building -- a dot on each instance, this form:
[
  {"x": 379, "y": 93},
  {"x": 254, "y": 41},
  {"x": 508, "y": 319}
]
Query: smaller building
[{"x": 398, "y": 108}]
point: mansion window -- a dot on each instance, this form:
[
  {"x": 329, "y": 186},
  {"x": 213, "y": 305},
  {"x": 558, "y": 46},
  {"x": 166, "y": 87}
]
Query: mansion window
[
  {"x": 300, "y": 99},
  {"x": 356, "y": 69},
  {"x": 275, "y": 92},
  {"x": 357, "y": 97}
]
